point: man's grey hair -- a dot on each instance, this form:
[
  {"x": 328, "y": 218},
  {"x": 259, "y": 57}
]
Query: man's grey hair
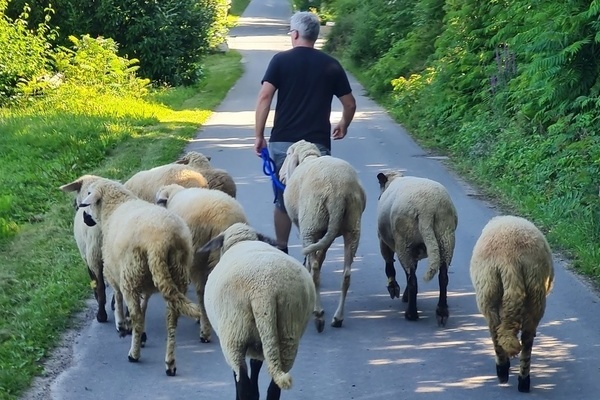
[{"x": 307, "y": 24}]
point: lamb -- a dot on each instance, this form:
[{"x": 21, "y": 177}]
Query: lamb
[
  {"x": 218, "y": 179},
  {"x": 259, "y": 300},
  {"x": 207, "y": 213},
  {"x": 89, "y": 243},
  {"x": 325, "y": 199},
  {"x": 512, "y": 272},
  {"x": 146, "y": 183},
  {"x": 416, "y": 219},
  {"x": 146, "y": 249}
]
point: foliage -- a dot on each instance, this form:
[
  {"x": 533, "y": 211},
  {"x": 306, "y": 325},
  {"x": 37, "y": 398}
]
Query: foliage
[
  {"x": 509, "y": 88},
  {"x": 52, "y": 141},
  {"x": 23, "y": 51}
]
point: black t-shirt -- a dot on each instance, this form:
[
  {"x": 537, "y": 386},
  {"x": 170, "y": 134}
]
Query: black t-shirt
[{"x": 306, "y": 80}]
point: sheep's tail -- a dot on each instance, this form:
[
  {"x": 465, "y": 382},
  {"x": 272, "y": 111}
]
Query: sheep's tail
[
  {"x": 164, "y": 282},
  {"x": 511, "y": 312},
  {"x": 427, "y": 229},
  {"x": 266, "y": 315},
  {"x": 336, "y": 217}
]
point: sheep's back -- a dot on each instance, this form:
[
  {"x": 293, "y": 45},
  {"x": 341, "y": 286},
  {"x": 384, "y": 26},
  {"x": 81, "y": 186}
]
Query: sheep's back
[
  {"x": 251, "y": 272},
  {"x": 145, "y": 184},
  {"x": 516, "y": 243}
]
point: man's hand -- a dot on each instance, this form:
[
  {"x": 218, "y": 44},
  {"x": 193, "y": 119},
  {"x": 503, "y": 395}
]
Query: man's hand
[
  {"x": 339, "y": 132},
  {"x": 259, "y": 144}
]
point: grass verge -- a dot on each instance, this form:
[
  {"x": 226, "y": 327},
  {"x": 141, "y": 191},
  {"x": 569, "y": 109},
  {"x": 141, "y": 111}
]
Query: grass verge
[
  {"x": 42, "y": 277},
  {"x": 235, "y": 12}
]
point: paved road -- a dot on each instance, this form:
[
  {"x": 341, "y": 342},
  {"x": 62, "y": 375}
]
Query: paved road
[{"x": 377, "y": 354}]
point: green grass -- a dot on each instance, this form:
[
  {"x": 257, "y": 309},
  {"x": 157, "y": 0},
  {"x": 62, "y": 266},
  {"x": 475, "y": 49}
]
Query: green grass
[
  {"x": 235, "y": 12},
  {"x": 42, "y": 277}
]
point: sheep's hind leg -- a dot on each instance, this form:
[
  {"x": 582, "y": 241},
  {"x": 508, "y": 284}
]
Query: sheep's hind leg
[
  {"x": 525, "y": 361},
  {"x": 502, "y": 359},
  {"x": 410, "y": 267},
  {"x": 120, "y": 322},
  {"x": 144, "y": 306},
  {"x": 442, "y": 307},
  {"x": 350, "y": 246},
  {"x": 172, "y": 317},
  {"x": 205, "y": 326},
  {"x": 244, "y": 388},
  {"x": 315, "y": 260},
  {"x": 255, "y": 366},
  {"x": 137, "y": 319},
  {"x": 388, "y": 256}
]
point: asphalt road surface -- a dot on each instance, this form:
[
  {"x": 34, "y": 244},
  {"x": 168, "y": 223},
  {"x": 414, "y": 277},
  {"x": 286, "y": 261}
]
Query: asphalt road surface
[{"x": 377, "y": 354}]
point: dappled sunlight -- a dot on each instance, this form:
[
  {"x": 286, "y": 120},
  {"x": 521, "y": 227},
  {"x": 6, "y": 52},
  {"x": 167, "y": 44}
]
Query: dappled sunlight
[
  {"x": 387, "y": 361},
  {"x": 471, "y": 382},
  {"x": 558, "y": 323}
]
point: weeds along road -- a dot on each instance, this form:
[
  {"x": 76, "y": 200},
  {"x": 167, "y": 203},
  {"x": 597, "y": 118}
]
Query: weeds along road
[{"x": 377, "y": 354}]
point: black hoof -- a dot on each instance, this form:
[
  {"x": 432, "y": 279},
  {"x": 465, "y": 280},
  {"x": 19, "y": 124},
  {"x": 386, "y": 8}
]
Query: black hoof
[
  {"x": 524, "y": 383},
  {"x": 502, "y": 372},
  {"x": 394, "y": 289},
  {"x": 101, "y": 316},
  {"x": 319, "y": 324},
  {"x": 171, "y": 369},
  {"x": 133, "y": 360},
  {"x": 123, "y": 332},
  {"x": 337, "y": 323},
  {"x": 203, "y": 340},
  {"x": 143, "y": 339},
  {"x": 442, "y": 316},
  {"x": 411, "y": 316}
]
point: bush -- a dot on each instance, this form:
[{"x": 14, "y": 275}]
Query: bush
[{"x": 23, "y": 51}]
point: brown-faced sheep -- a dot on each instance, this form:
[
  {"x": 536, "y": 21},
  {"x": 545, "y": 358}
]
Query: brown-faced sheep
[
  {"x": 207, "y": 213},
  {"x": 512, "y": 272},
  {"x": 260, "y": 301},
  {"x": 416, "y": 219},
  {"x": 324, "y": 199},
  {"x": 145, "y": 249},
  {"x": 218, "y": 179}
]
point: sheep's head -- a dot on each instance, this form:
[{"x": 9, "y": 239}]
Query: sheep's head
[
  {"x": 296, "y": 154},
  {"x": 195, "y": 160},
  {"x": 99, "y": 192},
  {"x": 236, "y": 233},
  {"x": 80, "y": 186},
  {"x": 166, "y": 192},
  {"x": 385, "y": 178}
]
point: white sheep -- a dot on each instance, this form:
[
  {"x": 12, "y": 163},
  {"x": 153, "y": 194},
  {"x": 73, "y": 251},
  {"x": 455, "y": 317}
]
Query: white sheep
[
  {"x": 259, "y": 300},
  {"x": 512, "y": 272},
  {"x": 416, "y": 219},
  {"x": 145, "y": 184},
  {"x": 207, "y": 213},
  {"x": 325, "y": 199},
  {"x": 145, "y": 249},
  {"x": 217, "y": 178},
  {"x": 89, "y": 243}
]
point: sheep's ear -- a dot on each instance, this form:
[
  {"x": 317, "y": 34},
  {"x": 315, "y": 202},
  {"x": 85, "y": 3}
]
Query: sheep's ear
[
  {"x": 289, "y": 165},
  {"x": 208, "y": 158},
  {"x": 382, "y": 178},
  {"x": 267, "y": 239},
  {"x": 183, "y": 161},
  {"x": 214, "y": 244},
  {"x": 74, "y": 186},
  {"x": 161, "y": 198},
  {"x": 92, "y": 198}
]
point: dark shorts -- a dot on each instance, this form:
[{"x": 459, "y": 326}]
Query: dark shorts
[{"x": 278, "y": 151}]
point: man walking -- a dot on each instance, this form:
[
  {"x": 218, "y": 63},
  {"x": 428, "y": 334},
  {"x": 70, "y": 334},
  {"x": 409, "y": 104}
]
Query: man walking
[{"x": 306, "y": 79}]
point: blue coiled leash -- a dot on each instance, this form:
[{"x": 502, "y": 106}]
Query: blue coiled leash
[{"x": 269, "y": 169}]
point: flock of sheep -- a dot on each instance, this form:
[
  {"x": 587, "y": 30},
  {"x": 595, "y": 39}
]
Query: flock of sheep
[{"x": 180, "y": 223}]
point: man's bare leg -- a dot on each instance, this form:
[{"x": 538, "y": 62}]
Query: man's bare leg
[{"x": 283, "y": 227}]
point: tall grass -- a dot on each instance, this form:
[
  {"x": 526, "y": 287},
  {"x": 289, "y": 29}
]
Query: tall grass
[{"x": 48, "y": 143}]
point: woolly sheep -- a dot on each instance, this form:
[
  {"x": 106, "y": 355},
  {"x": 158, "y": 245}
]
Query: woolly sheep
[
  {"x": 416, "y": 219},
  {"x": 259, "y": 300},
  {"x": 218, "y": 179},
  {"x": 512, "y": 272},
  {"x": 207, "y": 213},
  {"x": 145, "y": 184},
  {"x": 325, "y": 199},
  {"x": 146, "y": 249},
  {"x": 89, "y": 243}
]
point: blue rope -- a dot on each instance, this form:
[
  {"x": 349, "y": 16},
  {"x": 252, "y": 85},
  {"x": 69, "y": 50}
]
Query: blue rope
[{"x": 269, "y": 169}]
